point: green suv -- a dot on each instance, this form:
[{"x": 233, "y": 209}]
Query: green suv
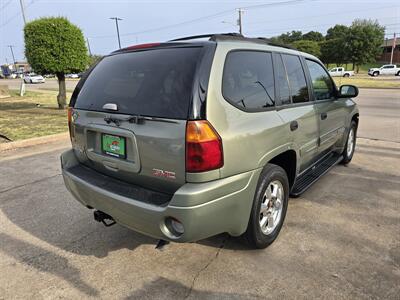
[{"x": 203, "y": 135}]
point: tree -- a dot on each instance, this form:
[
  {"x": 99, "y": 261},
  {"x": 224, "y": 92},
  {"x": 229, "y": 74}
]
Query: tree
[
  {"x": 335, "y": 48},
  {"x": 92, "y": 59},
  {"x": 289, "y": 37},
  {"x": 313, "y": 36},
  {"x": 311, "y": 47},
  {"x": 55, "y": 46},
  {"x": 365, "y": 39}
]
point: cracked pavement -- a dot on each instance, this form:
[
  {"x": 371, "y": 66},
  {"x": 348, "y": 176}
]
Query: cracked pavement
[{"x": 339, "y": 240}]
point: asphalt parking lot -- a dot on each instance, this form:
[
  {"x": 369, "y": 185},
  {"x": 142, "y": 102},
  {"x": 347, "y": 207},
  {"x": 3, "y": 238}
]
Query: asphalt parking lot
[{"x": 340, "y": 240}]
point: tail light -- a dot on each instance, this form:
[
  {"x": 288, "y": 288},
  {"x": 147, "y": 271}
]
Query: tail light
[
  {"x": 203, "y": 147},
  {"x": 70, "y": 112}
]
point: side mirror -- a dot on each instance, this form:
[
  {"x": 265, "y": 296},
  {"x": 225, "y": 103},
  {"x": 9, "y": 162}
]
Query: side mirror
[{"x": 348, "y": 91}]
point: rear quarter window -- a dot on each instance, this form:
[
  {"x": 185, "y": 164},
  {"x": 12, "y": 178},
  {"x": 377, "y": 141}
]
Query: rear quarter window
[
  {"x": 248, "y": 80},
  {"x": 157, "y": 82}
]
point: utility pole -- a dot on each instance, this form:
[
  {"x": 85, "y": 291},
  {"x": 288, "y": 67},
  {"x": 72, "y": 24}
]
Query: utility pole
[
  {"x": 88, "y": 45},
  {"x": 239, "y": 21},
  {"x": 12, "y": 53},
  {"x": 385, "y": 49},
  {"x": 116, "y": 24},
  {"x": 23, "y": 10},
  {"x": 393, "y": 46}
]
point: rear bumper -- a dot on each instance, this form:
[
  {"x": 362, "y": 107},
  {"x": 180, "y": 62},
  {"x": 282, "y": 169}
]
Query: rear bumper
[{"x": 204, "y": 209}]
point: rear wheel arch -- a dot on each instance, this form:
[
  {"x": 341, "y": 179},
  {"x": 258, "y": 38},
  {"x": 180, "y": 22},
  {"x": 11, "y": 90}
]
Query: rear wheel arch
[{"x": 287, "y": 161}]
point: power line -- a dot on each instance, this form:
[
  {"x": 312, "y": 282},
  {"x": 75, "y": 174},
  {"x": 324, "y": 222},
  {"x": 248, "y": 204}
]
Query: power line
[
  {"x": 170, "y": 26},
  {"x": 280, "y": 30},
  {"x": 289, "y": 2},
  {"x": 16, "y": 15},
  {"x": 200, "y": 19},
  {"x": 320, "y": 15},
  {"x": 6, "y": 4}
]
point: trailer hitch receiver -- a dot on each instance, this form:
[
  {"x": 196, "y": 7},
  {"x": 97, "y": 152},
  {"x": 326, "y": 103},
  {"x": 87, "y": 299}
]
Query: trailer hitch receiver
[{"x": 100, "y": 216}]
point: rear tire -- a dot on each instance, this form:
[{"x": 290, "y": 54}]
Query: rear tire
[
  {"x": 346, "y": 75},
  {"x": 398, "y": 73},
  {"x": 348, "y": 151},
  {"x": 269, "y": 207}
]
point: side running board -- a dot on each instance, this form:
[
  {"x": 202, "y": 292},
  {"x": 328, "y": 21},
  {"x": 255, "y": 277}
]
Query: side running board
[{"x": 313, "y": 174}]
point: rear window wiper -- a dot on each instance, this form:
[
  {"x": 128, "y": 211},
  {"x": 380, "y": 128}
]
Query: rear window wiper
[{"x": 135, "y": 119}]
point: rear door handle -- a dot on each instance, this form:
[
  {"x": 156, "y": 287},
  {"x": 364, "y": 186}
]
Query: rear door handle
[
  {"x": 294, "y": 125},
  {"x": 324, "y": 116}
]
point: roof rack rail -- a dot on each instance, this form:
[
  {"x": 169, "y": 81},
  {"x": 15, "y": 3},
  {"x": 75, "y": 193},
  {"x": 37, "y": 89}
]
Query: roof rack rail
[
  {"x": 202, "y": 36},
  {"x": 232, "y": 36}
]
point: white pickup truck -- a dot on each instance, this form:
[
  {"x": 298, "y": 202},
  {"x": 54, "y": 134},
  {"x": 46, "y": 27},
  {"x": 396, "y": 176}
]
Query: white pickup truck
[
  {"x": 340, "y": 72},
  {"x": 384, "y": 70}
]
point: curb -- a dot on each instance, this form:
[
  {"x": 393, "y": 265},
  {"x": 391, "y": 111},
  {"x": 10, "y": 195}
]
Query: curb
[
  {"x": 34, "y": 141},
  {"x": 379, "y": 88}
]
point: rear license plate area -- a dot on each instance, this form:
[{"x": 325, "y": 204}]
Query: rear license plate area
[{"x": 113, "y": 145}]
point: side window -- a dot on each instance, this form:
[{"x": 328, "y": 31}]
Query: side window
[
  {"x": 321, "y": 81},
  {"x": 297, "y": 79},
  {"x": 248, "y": 79},
  {"x": 282, "y": 81}
]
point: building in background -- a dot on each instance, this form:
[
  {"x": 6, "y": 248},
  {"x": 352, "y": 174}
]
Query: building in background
[
  {"x": 387, "y": 51},
  {"x": 22, "y": 67},
  {"x": 15, "y": 70}
]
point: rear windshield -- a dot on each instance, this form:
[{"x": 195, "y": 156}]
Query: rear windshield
[{"x": 155, "y": 83}]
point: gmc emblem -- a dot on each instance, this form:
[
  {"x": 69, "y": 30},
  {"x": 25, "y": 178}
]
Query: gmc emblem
[{"x": 165, "y": 174}]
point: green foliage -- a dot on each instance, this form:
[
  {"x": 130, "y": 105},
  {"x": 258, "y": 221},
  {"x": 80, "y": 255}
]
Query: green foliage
[
  {"x": 359, "y": 44},
  {"x": 289, "y": 37},
  {"x": 365, "y": 39},
  {"x": 311, "y": 47},
  {"x": 335, "y": 48},
  {"x": 54, "y": 45},
  {"x": 313, "y": 36},
  {"x": 92, "y": 59}
]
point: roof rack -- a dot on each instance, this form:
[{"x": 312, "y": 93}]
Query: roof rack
[
  {"x": 232, "y": 36},
  {"x": 202, "y": 36}
]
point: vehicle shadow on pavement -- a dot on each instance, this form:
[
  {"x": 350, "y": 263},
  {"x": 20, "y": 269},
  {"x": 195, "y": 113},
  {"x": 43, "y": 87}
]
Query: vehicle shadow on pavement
[
  {"x": 163, "y": 288},
  {"x": 56, "y": 218},
  {"x": 44, "y": 261},
  {"x": 48, "y": 212}
]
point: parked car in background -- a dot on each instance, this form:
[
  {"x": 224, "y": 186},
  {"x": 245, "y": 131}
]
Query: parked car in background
[
  {"x": 189, "y": 139},
  {"x": 33, "y": 78},
  {"x": 340, "y": 72},
  {"x": 384, "y": 70},
  {"x": 72, "y": 76}
]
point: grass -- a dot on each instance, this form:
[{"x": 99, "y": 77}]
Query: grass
[
  {"x": 33, "y": 115},
  {"x": 365, "y": 81}
]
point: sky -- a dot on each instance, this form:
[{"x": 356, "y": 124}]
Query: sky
[{"x": 157, "y": 21}]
